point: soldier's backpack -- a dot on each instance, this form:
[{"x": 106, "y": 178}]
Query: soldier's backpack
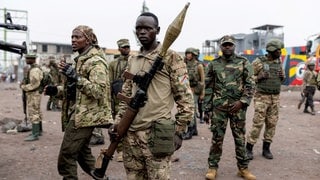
[{"x": 46, "y": 80}]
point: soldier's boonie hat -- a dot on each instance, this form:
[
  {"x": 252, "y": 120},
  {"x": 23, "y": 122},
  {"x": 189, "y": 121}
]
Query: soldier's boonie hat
[
  {"x": 30, "y": 56},
  {"x": 123, "y": 43},
  {"x": 274, "y": 44},
  {"x": 227, "y": 39}
]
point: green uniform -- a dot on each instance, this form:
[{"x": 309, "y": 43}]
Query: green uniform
[
  {"x": 116, "y": 69},
  {"x": 231, "y": 80}
]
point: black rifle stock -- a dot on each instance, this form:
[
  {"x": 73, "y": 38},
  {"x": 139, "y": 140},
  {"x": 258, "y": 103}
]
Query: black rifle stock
[{"x": 140, "y": 96}]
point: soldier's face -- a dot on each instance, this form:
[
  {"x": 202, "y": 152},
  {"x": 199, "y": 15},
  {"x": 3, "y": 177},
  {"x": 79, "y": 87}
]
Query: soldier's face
[
  {"x": 30, "y": 61},
  {"x": 79, "y": 41},
  {"x": 124, "y": 50},
  {"x": 146, "y": 30},
  {"x": 276, "y": 54},
  {"x": 227, "y": 48}
]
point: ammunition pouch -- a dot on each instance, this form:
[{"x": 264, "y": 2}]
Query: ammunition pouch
[
  {"x": 161, "y": 140},
  {"x": 116, "y": 86}
]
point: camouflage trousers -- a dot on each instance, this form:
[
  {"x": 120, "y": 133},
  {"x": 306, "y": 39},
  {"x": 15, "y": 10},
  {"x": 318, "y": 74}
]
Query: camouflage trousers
[
  {"x": 75, "y": 148},
  {"x": 33, "y": 107},
  {"x": 266, "y": 113},
  {"x": 139, "y": 162},
  {"x": 218, "y": 127}
]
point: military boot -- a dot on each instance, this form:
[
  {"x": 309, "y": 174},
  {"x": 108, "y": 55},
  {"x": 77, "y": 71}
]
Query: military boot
[
  {"x": 35, "y": 133},
  {"x": 306, "y": 109},
  {"x": 195, "y": 129},
  {"x": 246, "y": 174},
  {"x": 211, "y": 174},
  {"x": 249, "y": 151},
  {"x": 266, "y": 150},
  {"x": 49, "y": 106},
  {"x": 188, "y": 135},
  {"x": 40, "y": 128},
  {"x": 201, "y": 118},
  {"x": 312, "y": 111}
]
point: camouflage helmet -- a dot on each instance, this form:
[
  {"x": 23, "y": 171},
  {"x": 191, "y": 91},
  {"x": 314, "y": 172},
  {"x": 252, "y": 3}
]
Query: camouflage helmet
[
  {"x": 274, "y": 44},
  {"x": 192, "y": 50}
]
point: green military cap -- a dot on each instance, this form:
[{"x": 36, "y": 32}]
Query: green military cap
[
  {"x": 30, "y": 56},
  {"x": 192, "y": 50},
  {"x": 123, "y": 43},
  {"x": 227, "y": 39},
  {"x": 274, "y": 44}
]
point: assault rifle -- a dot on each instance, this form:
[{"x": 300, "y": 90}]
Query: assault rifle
[
  {"x": 140, "y": 96},
  {"x": 14, "y": 48}
]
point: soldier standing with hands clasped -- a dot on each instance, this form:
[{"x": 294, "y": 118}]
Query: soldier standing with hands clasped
[{"x": 230, "y": 77}]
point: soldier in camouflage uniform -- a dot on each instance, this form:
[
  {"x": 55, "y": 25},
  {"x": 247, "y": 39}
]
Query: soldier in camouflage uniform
[
  {"x": 88, "y": 85},
  {"x": 268, "y": 75},
  {"x": 230, "y": 78},
  {"x": 116, "y": 69},
  {"x": 31, "y": 86},
  {"x": 196, "y": 80},
  {"x": 309, "y": 88},
  {"x": 53, "y": 101},
  {"x": 169, "y": 85}
]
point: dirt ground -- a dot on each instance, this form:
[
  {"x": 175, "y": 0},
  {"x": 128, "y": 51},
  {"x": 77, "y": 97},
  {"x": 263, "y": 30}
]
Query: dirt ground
[{"x": 296, "y": 146}]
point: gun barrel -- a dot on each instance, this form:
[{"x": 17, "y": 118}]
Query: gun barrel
[
  {"x": 15, "y": 48},
  {"x": 14, "y": 26}
]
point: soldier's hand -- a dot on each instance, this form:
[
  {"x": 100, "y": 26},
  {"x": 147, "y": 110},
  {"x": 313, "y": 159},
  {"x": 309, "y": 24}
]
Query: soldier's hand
[
  {"x": 235, "y": 107},
  {"x": 68, "y": 71},
  {"x": 263, "y": 75},
  {"x": 50, "y": 90},
  {"x": 113, "y": 133},
  {"x": 280, "y": 74}
]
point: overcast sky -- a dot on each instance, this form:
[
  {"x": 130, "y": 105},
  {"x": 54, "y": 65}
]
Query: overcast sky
[{"x": 54, "y": 20}]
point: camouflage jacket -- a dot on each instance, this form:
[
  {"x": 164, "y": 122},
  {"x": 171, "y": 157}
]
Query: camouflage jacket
[
  {"x": 92, "y": 101},
  {"x": 169, "y": 86},
  {"x": 309, "y": 78},
  {"x": 117, "y": 67},
  {"x": 33, "y": 80},
  {"x": 230, "y": 80}
]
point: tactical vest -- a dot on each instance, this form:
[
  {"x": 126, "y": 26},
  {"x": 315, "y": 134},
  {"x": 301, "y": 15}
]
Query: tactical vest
[
  {"x": 271, "y": 85},
  {"x": 194, "y": 77}
]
